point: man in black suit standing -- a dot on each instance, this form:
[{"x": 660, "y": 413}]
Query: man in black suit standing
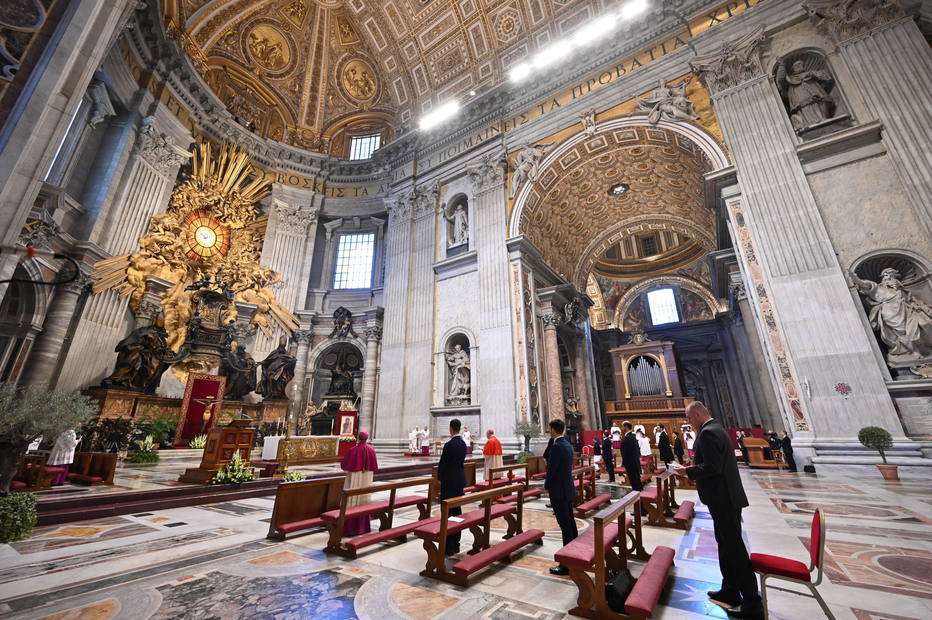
[
  {"x": 715, "y": 471},
  {"x": 608, "y": 455},
  {"x": 631, "y": 457},
  {"x": 452, "y": 476},
  {"x": 559, "y": 484},
  {"x": 787, "y": 445}
]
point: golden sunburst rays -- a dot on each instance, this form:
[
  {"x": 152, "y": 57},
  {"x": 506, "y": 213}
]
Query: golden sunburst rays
[{"x": 221, "y": 193}]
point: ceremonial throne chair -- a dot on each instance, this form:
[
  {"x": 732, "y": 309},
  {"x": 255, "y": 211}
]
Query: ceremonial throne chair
[{"x": 777, "y": 567}]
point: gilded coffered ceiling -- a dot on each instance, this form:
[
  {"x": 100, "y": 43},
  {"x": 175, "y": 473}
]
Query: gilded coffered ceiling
[
  {"x": 575, "y": 221},
  {"x": 310, "y": 72}
]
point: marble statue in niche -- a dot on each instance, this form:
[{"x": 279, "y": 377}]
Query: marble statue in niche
[
  {"x": 527, "y": 165},
  {"x": 458, "y": 224},
  {"x": 903, "y": 322},
  {"x": 668, "y": 103},
  {"x": 807, "y": 87},
  {"x": 277, "y": 373},
  {"x": 459, "y": 380}
]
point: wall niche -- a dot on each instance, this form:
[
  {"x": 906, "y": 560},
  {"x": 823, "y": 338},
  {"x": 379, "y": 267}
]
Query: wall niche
[{"x": 810, "y": 94}]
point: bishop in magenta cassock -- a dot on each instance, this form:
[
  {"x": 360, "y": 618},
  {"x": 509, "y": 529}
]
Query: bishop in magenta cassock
[{"x": 360, "y": 463}]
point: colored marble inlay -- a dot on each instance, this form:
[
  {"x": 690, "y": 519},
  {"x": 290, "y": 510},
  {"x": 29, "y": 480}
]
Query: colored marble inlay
[
  {"x": 879, "y": 567},
  {"x": 96, "y": 611},
  {"x": 323, "y": 595},
  {"x": 419, "y": 603}
]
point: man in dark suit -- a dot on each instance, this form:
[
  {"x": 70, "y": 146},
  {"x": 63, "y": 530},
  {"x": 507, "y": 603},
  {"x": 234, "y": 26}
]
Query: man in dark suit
[
  {"x": 787, "y": 445},
  {"x": 608, "y": 455},
  {"x": 715, "y": 471},
  {"x": 452, "y": 476},
  {"x": 631, "y": 457},
  {"x": 559, "y": 484}
]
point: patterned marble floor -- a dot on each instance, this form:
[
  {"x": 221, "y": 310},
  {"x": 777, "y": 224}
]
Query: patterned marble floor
[{"x": 214, "y": 562}]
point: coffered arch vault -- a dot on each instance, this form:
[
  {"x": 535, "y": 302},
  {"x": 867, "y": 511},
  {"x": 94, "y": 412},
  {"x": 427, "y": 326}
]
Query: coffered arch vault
[{"x": 572, "y": 217}]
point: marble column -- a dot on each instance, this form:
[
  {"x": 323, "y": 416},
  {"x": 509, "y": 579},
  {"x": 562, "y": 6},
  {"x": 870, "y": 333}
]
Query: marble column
[
  {"x": 552, "y": 319},
  {"x": 891, "y": 64},
  {"x": 370, "y": 374},
  {"x": 42, "y": 366},
  {"x": 496, "y": 376},
  {"x": 418, "y": 387},
  {"x": 303, "y": 337},
  {"x": 813, "y": 329},
  {"x": 397, "y": 261},
  {"x": 588, "y": 407},
  {"x": 146, "y": 313}
]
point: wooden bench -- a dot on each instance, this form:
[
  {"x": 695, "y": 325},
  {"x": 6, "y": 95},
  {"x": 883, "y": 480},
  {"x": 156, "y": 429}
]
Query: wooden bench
[
  {"x": 662, "y": 509},
  {"x": 622, "y": 473},
  {"x": 512, "y": 479},
  {"x": 600, "y": 550},
  {"x": 469, "y": 468},
  {"x": 584, "y": 481},
  {"x": 33, "y": 474},
  {"x": 478, "y": 522},
  {"x": 384, "y": 510},
  {"x": 299, "y": 505},
  {"x": 93, "y": 468},
  {"x": 536, "y": 468}
]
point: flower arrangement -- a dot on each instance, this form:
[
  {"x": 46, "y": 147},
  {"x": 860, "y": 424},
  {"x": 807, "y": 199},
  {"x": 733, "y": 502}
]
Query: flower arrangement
[
  {"x": 198, "y": 443},
  {"x": 234, "y": 472},
  {"x": 347, "y": 438},
  {"x": 148, "y": 451},
  {"x": 293, "y": 476}
]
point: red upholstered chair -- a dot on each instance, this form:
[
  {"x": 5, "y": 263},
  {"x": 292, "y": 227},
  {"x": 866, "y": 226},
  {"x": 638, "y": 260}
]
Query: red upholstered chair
[{"x": 776, "y": 567}]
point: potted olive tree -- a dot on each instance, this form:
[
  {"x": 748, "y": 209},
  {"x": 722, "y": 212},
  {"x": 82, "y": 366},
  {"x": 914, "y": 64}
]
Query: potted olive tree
[
  {"x": 27, "y": 413},
  {"x": 527, "y": 430},
  {"x": 879, "y": 439}
]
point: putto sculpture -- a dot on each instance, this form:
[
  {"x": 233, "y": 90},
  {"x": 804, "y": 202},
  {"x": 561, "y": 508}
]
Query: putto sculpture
[{"x": 527, "y": 165}]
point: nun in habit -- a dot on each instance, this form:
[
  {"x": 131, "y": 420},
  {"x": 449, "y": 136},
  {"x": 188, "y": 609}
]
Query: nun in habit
[{"x": 360, "y": 463}]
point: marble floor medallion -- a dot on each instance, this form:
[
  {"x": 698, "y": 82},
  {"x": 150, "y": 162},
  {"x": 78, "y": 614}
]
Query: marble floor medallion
[{"x": 323, "y": 595}]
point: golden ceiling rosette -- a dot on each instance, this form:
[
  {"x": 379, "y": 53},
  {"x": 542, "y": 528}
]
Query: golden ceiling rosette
[{"x": 212, "y": 228}]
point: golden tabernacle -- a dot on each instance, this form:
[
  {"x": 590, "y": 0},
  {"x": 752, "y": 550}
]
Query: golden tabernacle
[{"x": 306, "y": 450}]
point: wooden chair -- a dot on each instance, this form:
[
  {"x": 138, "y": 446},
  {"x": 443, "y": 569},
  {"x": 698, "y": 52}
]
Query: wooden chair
[
  {"x": 777, "y": 567},
  {"x": 33, "y": 472}
]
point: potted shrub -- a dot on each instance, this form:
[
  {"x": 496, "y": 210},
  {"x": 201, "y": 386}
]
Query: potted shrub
[
  {"x": 528, "y": 430},
  {"x": 879, "y": 439}
]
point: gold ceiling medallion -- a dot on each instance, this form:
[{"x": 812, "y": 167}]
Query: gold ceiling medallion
[
  {"x": 212, "y": 229},
  {"x": 268, "y": 47},
  {"x": 359, "y": 80}
]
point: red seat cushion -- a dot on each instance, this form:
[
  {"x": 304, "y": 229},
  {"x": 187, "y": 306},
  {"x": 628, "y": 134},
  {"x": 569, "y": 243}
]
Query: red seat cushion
[
  {"x": 496, "y": 552},
  {"x": 431, "y": 530},
  {"x": 646, "y": 591},
  {"x": 539, "y": 476},
  {"x": 305, "y": 524},
  {"x": 356, "y": 511},
  {"x": 594, "y": 503},
  {"x": 396, "y": 532},
  {"x": 410, "y": 500},
  {"x": 775, "y": 565},
  {"x": 50, "y": 469},
  {"x": 580, "y": 553},
  {"x": 514, "y": 498},
  {"x": 685, "y": 512},
  {"x": 649, "y": 495},
  {"x": 16, "y": 485}
]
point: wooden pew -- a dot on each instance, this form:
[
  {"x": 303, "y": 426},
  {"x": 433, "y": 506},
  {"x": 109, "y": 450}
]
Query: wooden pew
[
  {"x": 585, "y": 483},
  {"x": 384, "y": 510},
  {"x": 93, "y": 468},
  {"x": 469, "y": 467},
  {"x": 478, "y": 522},
  {"x": 33, "y": 472},
  {"x": 600, "y": 550},
  {"x": 622, "y": 474},
  {"x": 662, "y": 509},
  {"x": 299, "y": 505},
  {"x": 536, "y": 468},
  {"x": 512, "y": 479},
  {"x": 756, "y": 458}
]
